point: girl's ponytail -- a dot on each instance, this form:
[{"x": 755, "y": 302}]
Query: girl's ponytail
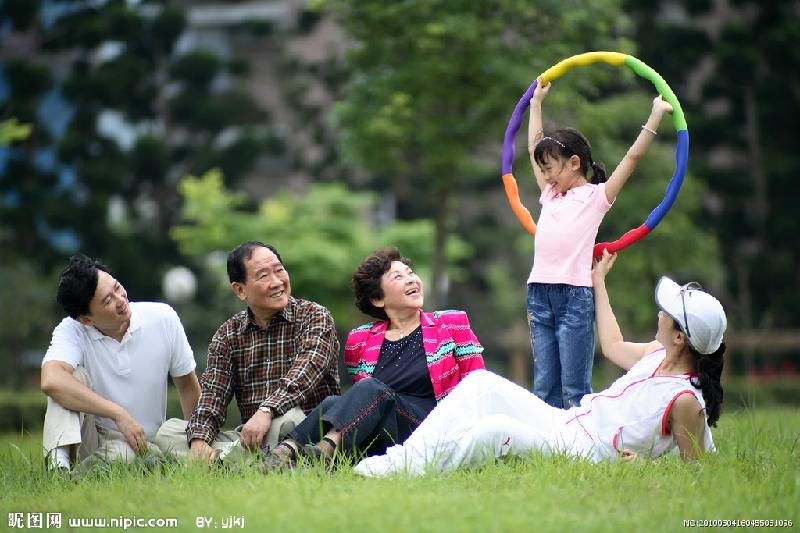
[{"x": 598, "y": 173}]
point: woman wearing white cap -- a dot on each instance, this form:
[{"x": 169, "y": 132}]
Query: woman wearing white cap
[{"x": 665, "y": 403}]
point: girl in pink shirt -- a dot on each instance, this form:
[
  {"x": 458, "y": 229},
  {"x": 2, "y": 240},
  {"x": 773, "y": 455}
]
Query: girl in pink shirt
[{"x": 560, "y": 299}]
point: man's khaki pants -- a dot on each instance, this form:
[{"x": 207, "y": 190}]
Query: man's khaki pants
[
  {"x": 63, "y": 427},
  {"x": 171, "y": 436}
]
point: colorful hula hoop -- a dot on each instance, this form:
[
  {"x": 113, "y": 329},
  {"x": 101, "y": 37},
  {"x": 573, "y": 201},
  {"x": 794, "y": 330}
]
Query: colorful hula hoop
[{"x": 681, "y": 148}]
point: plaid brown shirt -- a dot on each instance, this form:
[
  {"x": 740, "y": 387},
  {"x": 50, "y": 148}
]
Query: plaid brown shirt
[{"x": 291, "y": 363}]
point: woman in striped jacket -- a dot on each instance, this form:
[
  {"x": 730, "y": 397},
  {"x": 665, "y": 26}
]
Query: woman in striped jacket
[{"x": 401, "y": 365}]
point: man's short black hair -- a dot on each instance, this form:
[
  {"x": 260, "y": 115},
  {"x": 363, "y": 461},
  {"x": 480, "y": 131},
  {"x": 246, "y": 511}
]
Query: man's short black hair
[
  {"x": 78, "y": 283},
  {"x": 237, "y": 272}
]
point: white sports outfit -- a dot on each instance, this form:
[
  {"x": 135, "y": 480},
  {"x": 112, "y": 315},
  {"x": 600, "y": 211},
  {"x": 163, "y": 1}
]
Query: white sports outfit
[
  {"x": 132, "y": 373},
  {"x": 486, "y": 416}
]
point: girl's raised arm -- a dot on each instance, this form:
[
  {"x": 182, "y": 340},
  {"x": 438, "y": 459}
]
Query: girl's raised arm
[
  {"x": 535, "y": 130},
  {"x": 613, "y": 346},
  {"x": 637, "y": 150}
]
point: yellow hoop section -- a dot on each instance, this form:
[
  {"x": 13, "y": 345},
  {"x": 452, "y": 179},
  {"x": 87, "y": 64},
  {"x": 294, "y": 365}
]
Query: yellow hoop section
[{"x": 581, "y": 60}]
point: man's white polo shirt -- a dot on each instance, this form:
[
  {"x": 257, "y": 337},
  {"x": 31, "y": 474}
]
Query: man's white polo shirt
[{"x": 132, "y": 373}]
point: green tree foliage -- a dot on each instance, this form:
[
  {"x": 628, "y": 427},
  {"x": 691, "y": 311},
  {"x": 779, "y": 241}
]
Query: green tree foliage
[
  {"x": 27, "y": 302},
  {"x": 680, "y": 246},
  {"x": 21, "y": 180},
  {"x": 11, "y": 131},
  {"x": 321, "y": 236},
  {"x": 21, "y": 13},
  {"x": 434, "y": 83},
  {"x": 73, "y": 184},
  {"x": 33, "y": 319},
  {"x": 113, "y": 188},
  {"x": 745, "y": 69}
]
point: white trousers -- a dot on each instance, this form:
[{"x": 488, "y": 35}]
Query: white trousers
[
  {"x": 171, "y": 436},
  {"x": 63, "y": 427},
  {"x": 483, "y": 418}
]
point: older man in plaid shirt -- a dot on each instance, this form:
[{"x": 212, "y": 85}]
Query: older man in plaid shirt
[{"x": 278, "y": 356}]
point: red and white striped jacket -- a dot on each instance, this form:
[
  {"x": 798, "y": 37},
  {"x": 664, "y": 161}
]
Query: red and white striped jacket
[{"x": 451, "y": 348}]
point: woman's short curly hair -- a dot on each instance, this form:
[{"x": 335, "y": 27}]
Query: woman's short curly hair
[{"x": 366, "y": 281}]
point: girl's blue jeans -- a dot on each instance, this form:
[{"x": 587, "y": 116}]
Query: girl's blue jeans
[{"x": 561, "y": 318}]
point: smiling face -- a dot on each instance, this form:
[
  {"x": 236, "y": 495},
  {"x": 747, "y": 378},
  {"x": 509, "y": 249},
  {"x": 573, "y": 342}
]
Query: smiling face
[
  {"x": 266, "y": 288},
  {"x": 109, "y": 309},
  {"x": 562, "y": 174},
  {"x": 402, "y": 289}
]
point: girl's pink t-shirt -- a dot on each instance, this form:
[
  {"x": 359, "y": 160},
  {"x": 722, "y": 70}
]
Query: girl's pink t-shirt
[{"x": 565, "y": 234}]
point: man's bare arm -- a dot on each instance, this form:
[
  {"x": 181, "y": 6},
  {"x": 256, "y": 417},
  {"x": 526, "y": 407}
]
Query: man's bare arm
[{"x": 58, "y": 382}]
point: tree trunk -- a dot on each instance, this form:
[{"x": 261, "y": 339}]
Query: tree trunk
[
  {"x": 753, "y": 137},
  {"x": 745, "y": 305},
  {"x": 518, "y": 343},
  {"x": 760, "y": 212},
  {"x": 439, "y": 282}
]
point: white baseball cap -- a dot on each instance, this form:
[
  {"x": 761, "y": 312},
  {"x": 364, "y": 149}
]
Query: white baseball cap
[{"x": 700, "y": 316}]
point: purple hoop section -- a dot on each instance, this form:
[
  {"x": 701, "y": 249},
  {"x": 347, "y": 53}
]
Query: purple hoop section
[{"x": 513, "y": 127}]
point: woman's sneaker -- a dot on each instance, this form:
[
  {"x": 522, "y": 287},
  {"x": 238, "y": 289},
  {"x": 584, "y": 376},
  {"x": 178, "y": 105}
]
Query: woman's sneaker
[
  {"x": 57, "y": 460},
  {"x": 375, "y": 466}
]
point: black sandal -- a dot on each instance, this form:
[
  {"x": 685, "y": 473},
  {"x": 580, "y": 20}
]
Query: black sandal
[
  {"x": 277, "y": 461},
  {"x": 331, "y": 444},
  {"x": 315, "y": 453}
]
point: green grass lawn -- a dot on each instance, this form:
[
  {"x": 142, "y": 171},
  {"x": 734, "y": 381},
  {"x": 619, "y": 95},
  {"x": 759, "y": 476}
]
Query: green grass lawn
[{"x": 755, "y": 476}]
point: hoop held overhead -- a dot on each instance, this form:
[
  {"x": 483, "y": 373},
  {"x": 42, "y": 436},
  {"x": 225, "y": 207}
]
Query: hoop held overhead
[{"x": 681, "y": 147}]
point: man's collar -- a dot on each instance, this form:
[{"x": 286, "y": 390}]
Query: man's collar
[
  {"x": 135, "y": 323},
  {"x": 287, "y": 314},
  {"x": 94, "y": 333}
]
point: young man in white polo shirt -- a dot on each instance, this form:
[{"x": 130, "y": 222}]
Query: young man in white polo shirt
[{"x": 105, "y": 372}]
